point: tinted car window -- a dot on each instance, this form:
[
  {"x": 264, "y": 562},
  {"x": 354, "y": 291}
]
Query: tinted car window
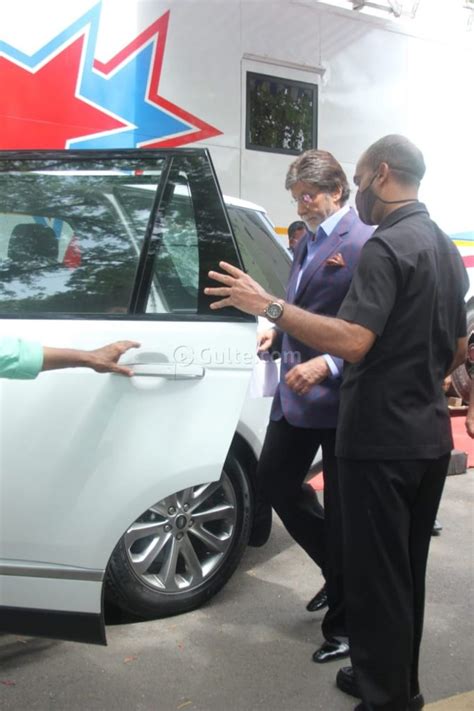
[
  {"x": 264, "y": 258},
  {"x": 65, "y": 247},
  {"x": 175, "y": 277},
  {"x": 97, "y": 233}
]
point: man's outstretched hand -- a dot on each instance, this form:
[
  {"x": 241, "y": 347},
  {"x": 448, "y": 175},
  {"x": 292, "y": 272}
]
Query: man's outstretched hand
[
  {"x": 105, "y": 359},
  {"x": 239, "y": 290},
  {"x": 102, "y": 360}
]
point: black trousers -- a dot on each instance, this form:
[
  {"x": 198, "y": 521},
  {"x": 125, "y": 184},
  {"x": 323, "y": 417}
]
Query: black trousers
[
  {"x": 286, "y": 456},
  {"x": 388, "y": 509}
]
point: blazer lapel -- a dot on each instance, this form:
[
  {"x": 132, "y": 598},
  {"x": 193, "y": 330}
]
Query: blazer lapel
[
  {"x": 297, "y": 262},
  {"x": 330, "y": 245}
]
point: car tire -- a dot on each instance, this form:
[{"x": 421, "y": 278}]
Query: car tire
[{"x": 187, "y": 571}]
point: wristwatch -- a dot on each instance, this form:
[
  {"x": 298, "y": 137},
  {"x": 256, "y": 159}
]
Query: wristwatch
[{"x": 274, "y": 310}]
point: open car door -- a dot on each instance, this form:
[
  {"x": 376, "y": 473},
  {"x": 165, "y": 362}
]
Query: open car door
[{"x": 103, "y": 471}]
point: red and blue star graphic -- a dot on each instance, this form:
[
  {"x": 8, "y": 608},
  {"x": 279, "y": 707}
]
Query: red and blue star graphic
[{"x": 62, "y": 97}]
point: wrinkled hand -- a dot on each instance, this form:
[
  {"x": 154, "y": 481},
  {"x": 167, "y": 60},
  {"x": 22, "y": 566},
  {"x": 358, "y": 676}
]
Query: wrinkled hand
[
  {"x": 239, "y": 290},
  {"x": 305, "y": 376},
  {"x": 105, "y": 359},
  {"x": 265, "y": 340}
]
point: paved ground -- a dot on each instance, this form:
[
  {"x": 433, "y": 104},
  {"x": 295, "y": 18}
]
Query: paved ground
[{"x": 250, "y": 648}]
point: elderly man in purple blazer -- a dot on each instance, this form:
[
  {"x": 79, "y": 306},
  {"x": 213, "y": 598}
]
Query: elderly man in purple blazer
[{"x": 305, "y": 407}]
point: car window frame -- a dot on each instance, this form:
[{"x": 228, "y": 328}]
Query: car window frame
[{"x": 143, "y": 275}]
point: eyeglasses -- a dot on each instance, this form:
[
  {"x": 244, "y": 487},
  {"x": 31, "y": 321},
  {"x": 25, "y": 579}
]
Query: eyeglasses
[{"x": 305, "y": 199}]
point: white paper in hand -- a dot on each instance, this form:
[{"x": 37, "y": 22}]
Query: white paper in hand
[{"x": 265, "y": 377}]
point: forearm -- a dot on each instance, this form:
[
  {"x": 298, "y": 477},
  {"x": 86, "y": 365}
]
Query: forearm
[
  {"x": 326, "y": 334},
  {"x": 346, "y": 340},
  {"x": 56, "y": 358}
]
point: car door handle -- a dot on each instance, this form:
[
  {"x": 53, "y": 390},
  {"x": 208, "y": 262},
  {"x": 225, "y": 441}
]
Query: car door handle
[{"x": 169, "y": 371}]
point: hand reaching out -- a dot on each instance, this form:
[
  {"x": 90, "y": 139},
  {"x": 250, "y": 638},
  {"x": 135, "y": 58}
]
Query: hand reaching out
[
  {"x": 105, "y": 359},
  {"x": 102, "y": 360},
  {"x": 238, "y": 289}
]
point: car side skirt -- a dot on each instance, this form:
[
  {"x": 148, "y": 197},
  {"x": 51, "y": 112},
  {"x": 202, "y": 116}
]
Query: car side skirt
[
  {"x": 55, "y": 624},
  {"x": 50, "y": 600}
]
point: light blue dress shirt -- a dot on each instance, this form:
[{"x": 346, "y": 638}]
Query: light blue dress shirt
[{"x": 21, "y": 360}]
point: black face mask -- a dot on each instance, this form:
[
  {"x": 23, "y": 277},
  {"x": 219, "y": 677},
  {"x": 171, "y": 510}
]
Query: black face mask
[{"x": 366, "y": 199}]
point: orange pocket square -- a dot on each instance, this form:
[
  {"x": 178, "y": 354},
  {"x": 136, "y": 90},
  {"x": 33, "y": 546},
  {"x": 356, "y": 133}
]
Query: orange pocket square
[{"x": 337, "y": 260}]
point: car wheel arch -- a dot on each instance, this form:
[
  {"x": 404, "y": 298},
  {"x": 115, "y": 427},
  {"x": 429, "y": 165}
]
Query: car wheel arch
[{"x": 134, "y": 593}]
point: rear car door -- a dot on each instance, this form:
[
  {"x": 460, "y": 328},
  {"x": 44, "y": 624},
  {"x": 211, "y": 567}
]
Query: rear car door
[{"x": 96, "y": 247}]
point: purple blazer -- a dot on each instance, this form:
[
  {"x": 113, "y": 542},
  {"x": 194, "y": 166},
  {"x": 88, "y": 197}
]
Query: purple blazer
[{"x": 321, "y": 290}]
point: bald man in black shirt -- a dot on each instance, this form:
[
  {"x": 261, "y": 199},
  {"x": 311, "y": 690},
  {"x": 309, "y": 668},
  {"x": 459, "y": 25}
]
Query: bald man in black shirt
[{"x": 401, "y": 330}]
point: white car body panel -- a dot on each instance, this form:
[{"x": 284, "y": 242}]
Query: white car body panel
[
  {"x": 61, "y": 595},
  {"x": 76, "y": 503},
  {"x": 253, "y": 422}
]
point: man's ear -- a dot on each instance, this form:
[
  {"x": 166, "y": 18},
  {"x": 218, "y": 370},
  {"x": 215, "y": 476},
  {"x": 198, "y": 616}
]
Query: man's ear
[
  {"x": 382, "y": 172},
  {"x": 337, "y": 194}
]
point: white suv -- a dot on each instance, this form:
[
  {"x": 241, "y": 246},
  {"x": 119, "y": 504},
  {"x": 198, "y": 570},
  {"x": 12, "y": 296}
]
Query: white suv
[{"x": 141, "y": 488}]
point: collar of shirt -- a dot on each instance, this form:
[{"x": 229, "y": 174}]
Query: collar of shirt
[
  {"x": 329, "y": 224},
  {"x": 401, "y": 212},
  {"x": 314, "y": 244},
  {"x": 324, "y": 229}
]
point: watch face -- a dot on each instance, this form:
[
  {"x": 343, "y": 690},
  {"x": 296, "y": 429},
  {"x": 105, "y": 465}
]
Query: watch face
[{"x": 274, "y": 310}]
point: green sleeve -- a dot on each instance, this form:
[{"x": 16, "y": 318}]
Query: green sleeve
[{"x": 20, "y": 360}]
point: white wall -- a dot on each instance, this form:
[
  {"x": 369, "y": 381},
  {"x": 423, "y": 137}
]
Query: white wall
[
  {"x": 376, "y": 76},
  {"x": 380, "y": 82}
]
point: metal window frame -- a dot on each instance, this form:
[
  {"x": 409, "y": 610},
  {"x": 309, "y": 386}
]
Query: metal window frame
[{"x": 292, "y": 82}]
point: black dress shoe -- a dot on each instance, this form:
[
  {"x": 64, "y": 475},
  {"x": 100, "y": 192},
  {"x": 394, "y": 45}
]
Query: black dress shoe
[
  {"x": 319, "y": 601},
  {"x": 346, "y": 682},
  {"x": 330, "y": 651}
]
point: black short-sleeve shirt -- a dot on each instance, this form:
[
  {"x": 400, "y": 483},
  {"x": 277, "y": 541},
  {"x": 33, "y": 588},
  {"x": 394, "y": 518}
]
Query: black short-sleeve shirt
[{"x": 409, "y": 290}]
